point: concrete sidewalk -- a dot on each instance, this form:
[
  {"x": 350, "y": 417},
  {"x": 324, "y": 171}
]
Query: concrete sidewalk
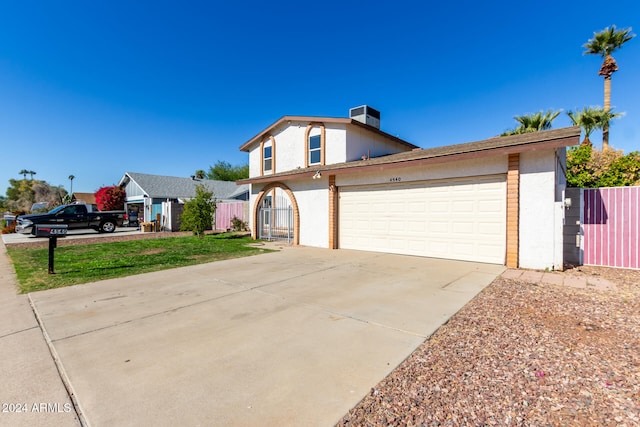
[{"x": 32, "y": 392}]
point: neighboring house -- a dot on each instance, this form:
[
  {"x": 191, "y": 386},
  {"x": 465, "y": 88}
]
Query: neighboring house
[
  {"x": 146, "y": 193},
  {"x": 343, "y": 183},
  {"x": 88, "y": 198}
]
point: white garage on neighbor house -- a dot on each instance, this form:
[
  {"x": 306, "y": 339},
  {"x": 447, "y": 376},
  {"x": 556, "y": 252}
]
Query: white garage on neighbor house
[{"x": 344, "y": 183}]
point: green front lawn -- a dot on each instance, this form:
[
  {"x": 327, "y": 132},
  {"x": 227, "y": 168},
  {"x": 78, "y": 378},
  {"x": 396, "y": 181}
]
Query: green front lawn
[{"x": 89, "y": 263}]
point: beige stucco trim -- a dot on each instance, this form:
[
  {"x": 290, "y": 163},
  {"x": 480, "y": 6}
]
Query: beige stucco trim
[
  {"x": 513, "y": 210},
  {"x": 333, "y": 213},
  {"x": 273, "y": 154}
]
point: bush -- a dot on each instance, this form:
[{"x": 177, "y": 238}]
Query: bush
[
  {"x": 197, "y": 215},
  {"x": 591, "y": 168},
  {"x": 8, "y": 229},
  {"x": 239, "y": 225}
]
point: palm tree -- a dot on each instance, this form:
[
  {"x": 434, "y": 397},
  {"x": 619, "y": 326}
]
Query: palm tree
[
  {"x": 604, "y": 44},
  {"x": 533, "y": 122},
  {"x": 71, "y": 178},
  {"x": 590, "y": 119},
  {"x": 24, "y": 173}
]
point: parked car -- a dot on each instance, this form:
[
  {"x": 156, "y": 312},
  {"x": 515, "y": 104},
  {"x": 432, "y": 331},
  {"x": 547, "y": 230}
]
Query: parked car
[{"x": 75, "y": 216}]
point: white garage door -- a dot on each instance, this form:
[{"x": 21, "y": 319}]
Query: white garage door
[{"x": 458, "y": 219}]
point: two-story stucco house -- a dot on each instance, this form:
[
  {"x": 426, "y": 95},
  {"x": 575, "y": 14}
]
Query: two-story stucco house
[{"x": 344, "y": 183}]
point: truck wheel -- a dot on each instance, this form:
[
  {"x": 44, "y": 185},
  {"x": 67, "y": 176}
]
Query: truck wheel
[{"x": 107, "y": 227}]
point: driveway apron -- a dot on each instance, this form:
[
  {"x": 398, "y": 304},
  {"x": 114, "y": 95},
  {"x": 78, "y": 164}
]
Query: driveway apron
[{"x": 295, "y": 337}]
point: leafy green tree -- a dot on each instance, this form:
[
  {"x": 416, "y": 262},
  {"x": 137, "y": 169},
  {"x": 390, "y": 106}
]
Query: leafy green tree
[
  {"x": 533, "y": 122},
  {"x": 197, "y": 215},
  {"x": 592, "y": 118},
  {"x": 224, "y": 171},
  {"x": 604, "y": 43},
  {"x": 591, "y": 168},
  {"x": 623, "y": 171}
]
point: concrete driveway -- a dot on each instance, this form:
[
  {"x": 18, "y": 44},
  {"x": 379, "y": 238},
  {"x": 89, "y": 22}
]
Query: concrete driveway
[{"x": 296, "y": 337}]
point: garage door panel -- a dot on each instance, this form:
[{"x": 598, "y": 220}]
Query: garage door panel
[
  {"x": 463, "y": 228},
  {"x": 464, "y": 206},
  {"x": 489, "y": 206},
  {"x": 438, "y": 227},
  {"x": 458, "y": 219}
]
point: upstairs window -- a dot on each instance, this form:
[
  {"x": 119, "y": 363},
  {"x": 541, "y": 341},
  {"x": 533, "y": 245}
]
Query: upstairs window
[
  {"x": 267, "y": 158},
  {"x": 314, "y": 145},
  {"x": 315, "y": 150}
]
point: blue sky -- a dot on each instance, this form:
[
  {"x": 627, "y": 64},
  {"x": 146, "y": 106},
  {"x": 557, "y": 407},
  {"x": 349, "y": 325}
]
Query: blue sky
[{"x": 96, "y": 89}]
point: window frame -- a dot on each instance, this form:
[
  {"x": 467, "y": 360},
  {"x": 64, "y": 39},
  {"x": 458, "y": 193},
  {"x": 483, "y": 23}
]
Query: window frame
[
  {"x": 315, "y": 150},
  {"x": 267, "y": 143},
  {"x": 307, "y": 144}
]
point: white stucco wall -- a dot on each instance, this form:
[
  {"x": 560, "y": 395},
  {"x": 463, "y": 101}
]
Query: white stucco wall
[
  {"x": 540, "y": 211},
  {"x": 335, "y": 143},
  {"x": 313, "y": 205},
  {"x": 360, "y": 143}
]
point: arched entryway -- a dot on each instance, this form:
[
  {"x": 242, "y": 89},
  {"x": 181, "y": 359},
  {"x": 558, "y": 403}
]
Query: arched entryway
[{"x": 276, "y": 215}]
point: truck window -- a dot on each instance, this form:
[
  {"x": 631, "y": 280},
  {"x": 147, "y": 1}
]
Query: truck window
[{"x": 69, "y": 210}]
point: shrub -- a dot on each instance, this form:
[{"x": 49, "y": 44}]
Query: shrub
[
  {"x": 8, "y": 229},
  {"x": 197, "y": 215},
  {"x": 239, "y": 225}
]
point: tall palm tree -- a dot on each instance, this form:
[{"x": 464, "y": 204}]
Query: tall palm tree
[
  {"x": 604, "y": 44},
  {"x": 533, "y": 122},
  {"x": 590, "y": 119},
  {"x": 71, "y": 178},
  {"x": 24, "y": 173}
]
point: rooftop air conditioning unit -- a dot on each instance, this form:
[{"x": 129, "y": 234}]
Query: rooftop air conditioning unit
[{"x": 366, "y": 115}]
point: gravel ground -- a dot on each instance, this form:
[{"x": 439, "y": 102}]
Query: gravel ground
[{"x": 522, "y": 354}]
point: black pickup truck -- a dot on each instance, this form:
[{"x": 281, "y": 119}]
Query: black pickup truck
[{"x": 75, "y": 216}]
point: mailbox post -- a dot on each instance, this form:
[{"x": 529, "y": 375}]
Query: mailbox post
[{"x": 52, "y": 231}]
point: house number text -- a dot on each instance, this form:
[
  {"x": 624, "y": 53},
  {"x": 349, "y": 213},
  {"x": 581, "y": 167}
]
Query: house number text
[{"x": 395, "y": 179}]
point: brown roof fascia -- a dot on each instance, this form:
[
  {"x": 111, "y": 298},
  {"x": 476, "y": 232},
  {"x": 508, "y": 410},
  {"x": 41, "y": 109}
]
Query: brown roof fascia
[
  {"x": 340, "y": 120},
  {"x": 543, "y": 140}
]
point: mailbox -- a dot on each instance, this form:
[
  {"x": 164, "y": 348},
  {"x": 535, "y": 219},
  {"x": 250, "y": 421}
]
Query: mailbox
[{"x": 51, "y": 230}]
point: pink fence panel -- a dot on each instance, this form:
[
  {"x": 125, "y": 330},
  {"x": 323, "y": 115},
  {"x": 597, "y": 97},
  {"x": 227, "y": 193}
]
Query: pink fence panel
[
  {"x": 611, "y": 225},
  {"x": 225, "y": 213}
]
